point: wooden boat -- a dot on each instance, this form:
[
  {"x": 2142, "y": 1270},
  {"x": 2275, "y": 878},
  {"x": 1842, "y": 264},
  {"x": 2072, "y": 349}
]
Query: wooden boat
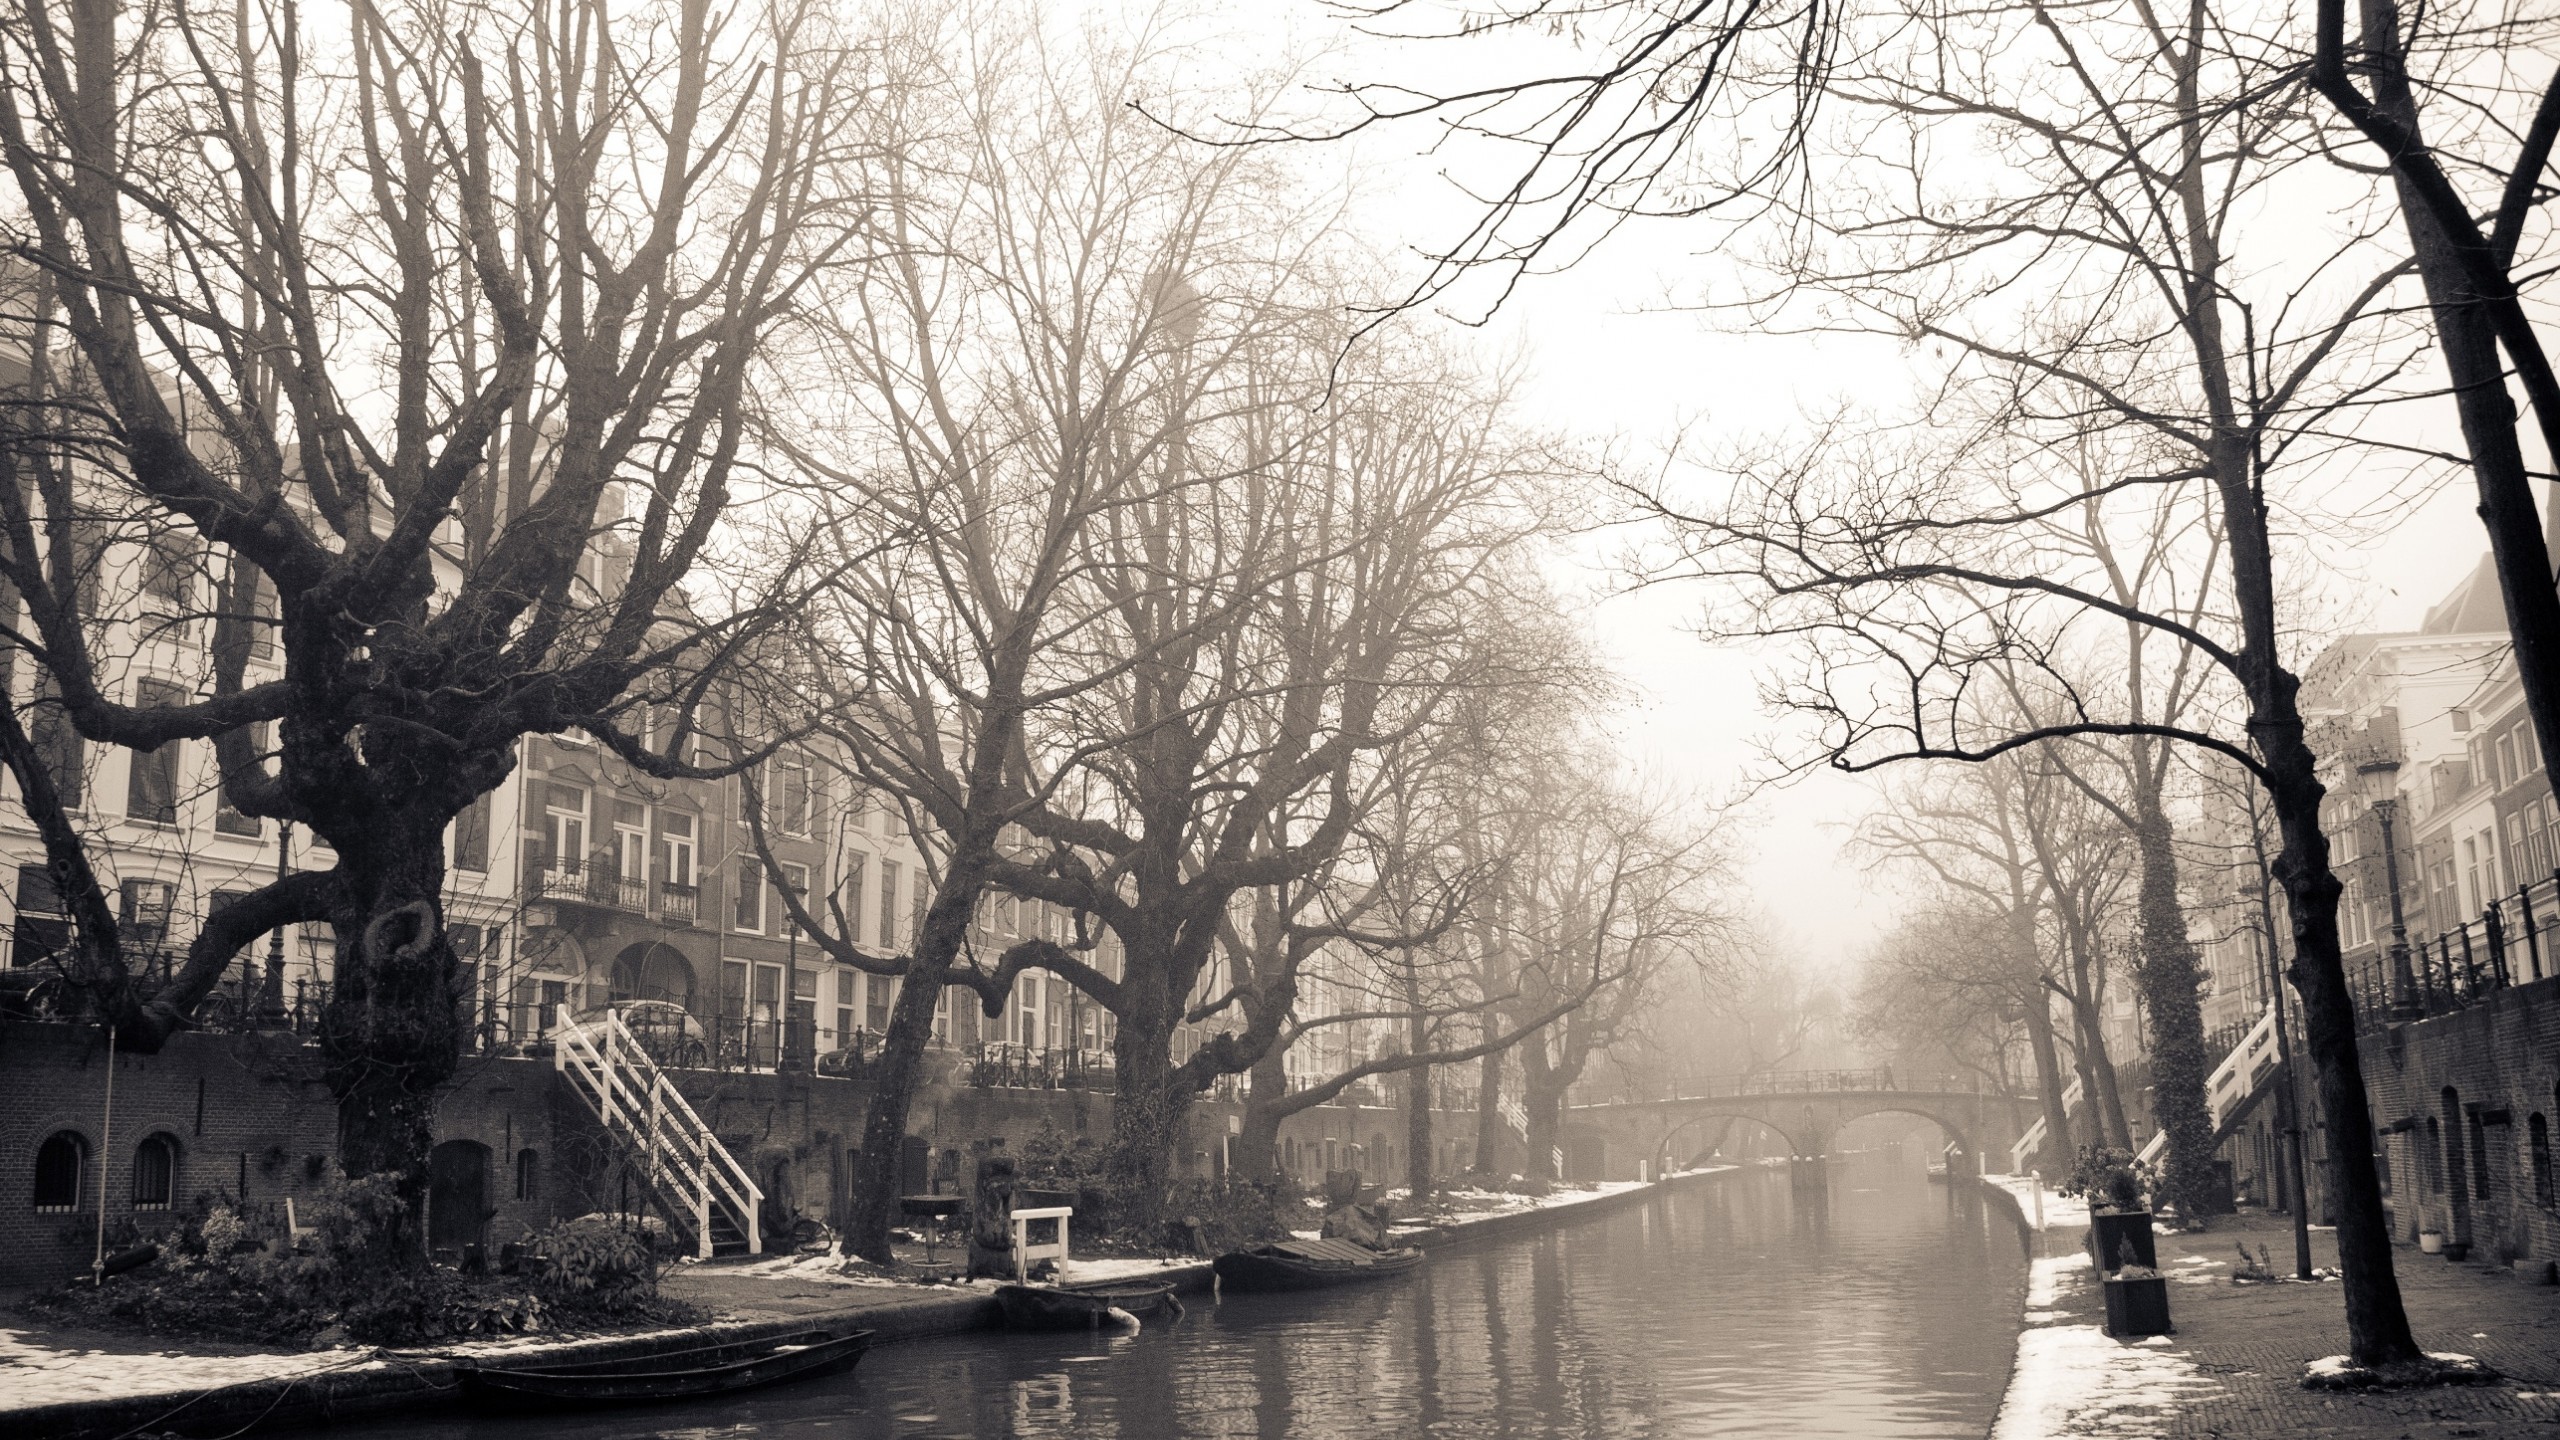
[
  {"x": 1084, "y": 1307},
  {"x": 1310, "y": 1265},
  {"x": 674, "y": 1374}
]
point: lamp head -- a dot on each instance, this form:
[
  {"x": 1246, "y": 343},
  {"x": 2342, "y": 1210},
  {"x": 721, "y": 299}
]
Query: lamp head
[{"x": 2380, "y": 778}]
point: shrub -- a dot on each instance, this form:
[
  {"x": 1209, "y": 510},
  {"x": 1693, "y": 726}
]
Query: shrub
[
  {"x": 592, "y": 1262},
  {"x": 2106, "y": 1175}
]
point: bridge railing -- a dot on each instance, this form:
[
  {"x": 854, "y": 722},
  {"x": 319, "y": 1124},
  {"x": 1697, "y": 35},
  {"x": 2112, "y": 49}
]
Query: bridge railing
[{"x": 1798, "y": 1082}]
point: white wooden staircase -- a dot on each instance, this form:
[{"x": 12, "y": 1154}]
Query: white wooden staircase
[
  {"x": 691, "y": 1175},
  {"x": 2234, "y": 1082},
  {"x": 2033, "y": 1139}
]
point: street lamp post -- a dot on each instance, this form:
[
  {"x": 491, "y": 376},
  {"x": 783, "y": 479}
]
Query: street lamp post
[{"x": 2381, "y": 779}]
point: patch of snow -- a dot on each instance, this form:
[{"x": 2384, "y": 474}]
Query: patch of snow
[
  {"x": 2060, "y": 1212},
  {"x": 2072, "y": 1379},
  {"x": 2045, "y": 1278},
  {"x": 1118, "y": 1267},
  {"x": 32, "y": 1373}
]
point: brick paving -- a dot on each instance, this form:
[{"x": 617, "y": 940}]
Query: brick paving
[{"x": 2253, "y": 1341}]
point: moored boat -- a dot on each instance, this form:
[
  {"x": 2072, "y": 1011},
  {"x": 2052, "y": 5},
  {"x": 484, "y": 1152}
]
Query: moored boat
[
  {"x": 1085, "y": 1307},
  {"x": 1311, "y": 1265},
  {"x": 674, "y": 1374}
]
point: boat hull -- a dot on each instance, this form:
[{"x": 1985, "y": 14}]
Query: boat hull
[
  {"x": 678, "y": 1375},
  {"x": 1083, "y": 1307},
  {"x": 1254, "y": 1271}
]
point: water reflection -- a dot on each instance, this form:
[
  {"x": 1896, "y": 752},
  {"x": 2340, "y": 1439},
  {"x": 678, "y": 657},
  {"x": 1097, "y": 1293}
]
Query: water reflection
[{"x": 1875, "y": 1305}]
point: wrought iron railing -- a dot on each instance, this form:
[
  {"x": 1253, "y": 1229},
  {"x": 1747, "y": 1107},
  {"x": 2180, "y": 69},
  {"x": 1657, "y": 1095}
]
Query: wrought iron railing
[
  {"x": 2514, "y": 941},
  {"x": 1001, "y": 1065}
]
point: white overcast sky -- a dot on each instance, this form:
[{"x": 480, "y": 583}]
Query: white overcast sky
[{"x": 1604, "y": 359}]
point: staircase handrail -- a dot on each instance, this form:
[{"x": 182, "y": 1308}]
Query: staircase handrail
[
  {"x": 2033, "y": 1136},
  {"x": 702, "y": 1162}
]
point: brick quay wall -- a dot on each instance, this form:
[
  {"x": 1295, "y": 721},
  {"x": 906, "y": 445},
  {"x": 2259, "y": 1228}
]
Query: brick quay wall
[{"x": 246, "y": 1116}]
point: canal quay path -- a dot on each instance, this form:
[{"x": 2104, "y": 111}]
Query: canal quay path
[
  {"x": 58, "y": 1384},
  {"x": 2234, "y": 1368}
]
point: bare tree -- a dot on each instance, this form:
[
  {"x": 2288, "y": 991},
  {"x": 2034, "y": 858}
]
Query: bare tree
[
  {"x": 2468, "y": 61},
  {"x": 1062, "y": 332},
  {"x": 412, "y": 320},
  {"x": 1227, "y": 757},
  {"x": 2150, "y": 349}
]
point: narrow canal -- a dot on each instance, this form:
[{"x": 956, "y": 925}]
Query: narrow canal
[{"x": 1880, "y": 1306}]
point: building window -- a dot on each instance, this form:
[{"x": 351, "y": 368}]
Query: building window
[
  {"x": 747, "y": 913},
  {"x": 151, "y": 784},
  {"x": 168, "y": 572},
  {"x": 43, "y": 929},
  {"x": 675, "y": 832},
  {"x": 795, "y": 878},
  {"x": 630, "y": 842},
  {"x": 528, "y": 1175},
  {"x": 889, "y": 904},
  {"x": 61, "y": 1161},
  {"x": 791, "y": 796},
  {"x": 155, "y": 1172},
  {"x": 850, "y": 894},
  {"x": 564, "y": 809},
  {"x": 2537, "y": 1132},
  {"x": 142, "y": 918},
  {"x": 471, "y": 835}
]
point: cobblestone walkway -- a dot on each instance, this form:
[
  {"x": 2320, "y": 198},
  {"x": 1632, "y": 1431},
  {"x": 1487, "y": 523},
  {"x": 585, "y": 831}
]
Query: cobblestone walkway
[{"x": 2252, "y": 1342}]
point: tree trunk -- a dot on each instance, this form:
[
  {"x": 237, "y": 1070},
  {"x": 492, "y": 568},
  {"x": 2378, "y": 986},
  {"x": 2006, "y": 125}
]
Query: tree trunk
[
  {"x": 1417, "y": 1128},
  {"x": 1147, "y": 1111},
  {"x": 2098, "y": 1081},
  {"x": 894, "y": 1076},
  {"x": 2057, "y": 1120},
  {"x": 391, "y": 1035},
  {"x": 2171, "y": 976},
  {"x": 1489, "y": 1121},
  {"x": 1258, "y": 1146},
  {"x": 2377, "y": 1325}
]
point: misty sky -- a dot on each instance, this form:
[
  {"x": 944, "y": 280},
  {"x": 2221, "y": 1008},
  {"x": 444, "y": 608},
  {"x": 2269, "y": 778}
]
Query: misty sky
[{"x": 1606, "y": 359}]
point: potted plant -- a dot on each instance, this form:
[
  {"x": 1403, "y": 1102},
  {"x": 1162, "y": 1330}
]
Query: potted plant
[
  {"x": 2430, "y": 1241},
  {"x": 2119, "y": 1222},
  {"x": 2137, "y": 1299}
]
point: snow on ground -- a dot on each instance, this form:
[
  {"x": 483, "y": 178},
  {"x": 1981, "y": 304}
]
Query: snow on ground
[
  {"x": 2071, "y": 1377},
  {"x": 2074, "y": 1380},
  {"x": 33, "y": 1374},
  {"x": 1121, "y": 1267},
  {"x": 2060, "y": 1212},
  {"x": 1465, "y": 1205}
]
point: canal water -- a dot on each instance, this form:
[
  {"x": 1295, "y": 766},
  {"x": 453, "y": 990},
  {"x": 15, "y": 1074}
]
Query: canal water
[{"x": 1877, "y": 1305}]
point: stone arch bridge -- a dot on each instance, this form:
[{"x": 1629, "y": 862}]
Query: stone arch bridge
[{"x": 1805, "y": 1109}]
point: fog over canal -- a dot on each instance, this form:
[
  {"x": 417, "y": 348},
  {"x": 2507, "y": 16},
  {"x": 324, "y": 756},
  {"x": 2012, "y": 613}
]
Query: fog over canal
[{"x": 1883, "y": 1306}]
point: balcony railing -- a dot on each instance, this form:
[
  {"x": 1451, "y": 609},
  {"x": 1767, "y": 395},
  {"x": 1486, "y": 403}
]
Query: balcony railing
[
  {"x": 678, "y": 904},
  {"x": 591, "y": 885}
]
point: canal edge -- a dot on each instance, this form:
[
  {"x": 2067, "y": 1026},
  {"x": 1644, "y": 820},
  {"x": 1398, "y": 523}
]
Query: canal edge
[{"x": 410, "y": 1381}]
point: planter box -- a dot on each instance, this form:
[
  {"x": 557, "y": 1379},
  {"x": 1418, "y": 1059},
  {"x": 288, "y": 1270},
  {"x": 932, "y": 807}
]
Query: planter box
[
  {"x": 2111, "y": 1232},
  {"x": 2138, "y": 1307}
]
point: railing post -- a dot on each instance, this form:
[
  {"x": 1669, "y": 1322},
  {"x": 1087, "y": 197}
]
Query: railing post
[
  {"x": 2532, "y": 940},
  {"x": 2497, "y": 926}
]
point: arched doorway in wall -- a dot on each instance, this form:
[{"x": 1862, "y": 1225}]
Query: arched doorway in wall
[
  {"x": 652, "y": 970},
  {"x": 458, "y": 1207}
]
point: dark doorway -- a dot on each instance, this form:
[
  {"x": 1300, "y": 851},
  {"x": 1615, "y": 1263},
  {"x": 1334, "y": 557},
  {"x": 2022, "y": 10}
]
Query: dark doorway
[{"x": 457, "y": 1194}]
